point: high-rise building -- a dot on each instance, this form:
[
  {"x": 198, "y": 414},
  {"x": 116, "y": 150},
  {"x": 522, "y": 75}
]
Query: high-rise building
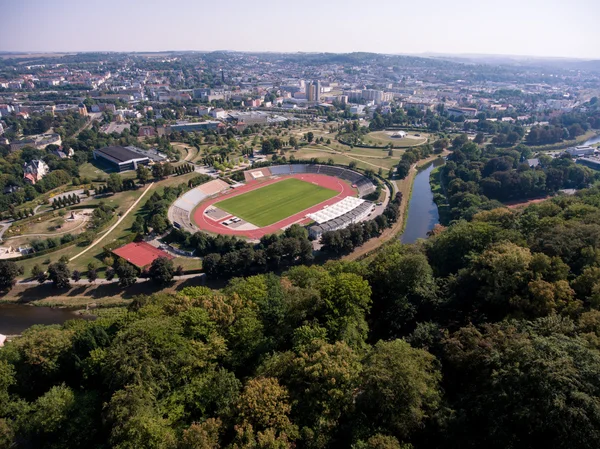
[
  {"x": 310, "y": 92},
  {"x": 372, "y": 95},
  {"x": 317, "y": 90},
  {"x": 313, "y": 91}
]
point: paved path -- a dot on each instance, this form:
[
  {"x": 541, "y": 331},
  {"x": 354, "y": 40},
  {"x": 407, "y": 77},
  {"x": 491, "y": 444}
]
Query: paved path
[
  {"x": 4, "y": 227},
  {"x": 84, "y": 281},
  {"x": 116, "y": 224}
]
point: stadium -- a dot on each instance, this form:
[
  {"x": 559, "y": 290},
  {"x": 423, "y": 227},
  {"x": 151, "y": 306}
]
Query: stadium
[{"x": 273, "y": 198}]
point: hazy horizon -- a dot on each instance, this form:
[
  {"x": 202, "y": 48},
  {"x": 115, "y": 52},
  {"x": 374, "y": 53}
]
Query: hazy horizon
[{"x": 543, "y": 29}]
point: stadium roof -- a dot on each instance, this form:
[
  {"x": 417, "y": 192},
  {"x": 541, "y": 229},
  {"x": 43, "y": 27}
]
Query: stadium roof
[{"x": 336, "y": 210}]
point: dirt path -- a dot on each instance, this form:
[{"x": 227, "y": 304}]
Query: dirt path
[
  {"x": 112, "y": 228},
  {"x": 405, "y": 187}
]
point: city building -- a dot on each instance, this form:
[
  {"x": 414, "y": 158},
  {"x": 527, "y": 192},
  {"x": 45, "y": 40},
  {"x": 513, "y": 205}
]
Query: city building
[
  {"x": 455, "y": 112},
  {"x": 218, "y": 113},
  {"x": 38, "y": 142},
  {"x": 63, "y": 153},
  {"x": 580, "y": 151},
  {"x": 147, "y": 131},
  {"x": 121, "y": 158}
]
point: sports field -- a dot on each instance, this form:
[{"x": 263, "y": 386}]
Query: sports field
[{"x": 272, "y": 203}]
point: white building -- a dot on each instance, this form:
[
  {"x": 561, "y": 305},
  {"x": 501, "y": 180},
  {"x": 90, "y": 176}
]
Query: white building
[
  {"x": 580, "y": 151},
  {"x": 218, "y": 113},
  {"x": 35, "y": 171}
]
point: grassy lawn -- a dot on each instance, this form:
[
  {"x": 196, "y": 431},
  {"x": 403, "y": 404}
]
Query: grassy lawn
[
  {"x": 275, "y": 202},
  {"x": 122, "y": 200},
  {"x": 362, "y": 161},
  {"x": 384, "y": 138},
  {"x": 95, "y": 171}
]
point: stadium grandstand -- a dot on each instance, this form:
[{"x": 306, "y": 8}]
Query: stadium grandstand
[
  {"x": 180, "y": 211},
  {"x": 336, "y": 210},
  {"x": 358, "y": 213},
  {"x": 364, "y": 185}
]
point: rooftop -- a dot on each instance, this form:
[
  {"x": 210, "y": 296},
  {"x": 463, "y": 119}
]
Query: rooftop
[
  {"x": 119, "y": 154},
  {"x": 140, "y": 254}
]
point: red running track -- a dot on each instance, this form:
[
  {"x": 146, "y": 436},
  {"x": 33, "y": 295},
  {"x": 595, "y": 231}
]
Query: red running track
[{"x": 209, "y": 225}]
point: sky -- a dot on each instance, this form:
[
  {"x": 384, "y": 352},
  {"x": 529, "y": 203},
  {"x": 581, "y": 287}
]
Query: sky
[{"x": 548, "y": 28}]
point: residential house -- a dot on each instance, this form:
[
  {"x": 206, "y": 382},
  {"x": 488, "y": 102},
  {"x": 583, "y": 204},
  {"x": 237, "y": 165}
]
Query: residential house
[{"x": 34, "y": 171}]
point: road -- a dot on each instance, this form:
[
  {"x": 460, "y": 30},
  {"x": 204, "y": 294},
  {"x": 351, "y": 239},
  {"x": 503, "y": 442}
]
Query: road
[{"x": 112, "y": 228}]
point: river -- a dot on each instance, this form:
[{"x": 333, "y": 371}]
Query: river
[
  {"x": 15, "y": 318},
  {"x": 422, "y": 211},
  {"x": 592, "y": 141}
]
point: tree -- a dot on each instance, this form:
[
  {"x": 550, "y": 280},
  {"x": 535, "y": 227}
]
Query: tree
[
  {"x": 264, "y": 404},
  {"x": 321, "y": 379},
  {"x": 110, "y": 274},
  {"x": 158, "y": 171},
  {"x": 114, "y": 183},
  {"x": 504, "y": 381},
  {"x": 42, "y": 277},
  {"x": 162, "y": 271},
  {"x": 92, "y": 275},
  {"x": 143, "y": 173},
  {"x": 400, "y": 387},
  {"x": 8, "y": 273},
  {"x": 76, "y": 276},
  {"x": 35, "y": 271},
  {"x": 127, "y": 275},
  {"x": 267, "y": 146},
  {"x": 310, "y": 136},
  {"x": 159, "y": 223},
  {"x": 138, "y": 225},
  {"x": 59, "y": 274},
  {"x": 202, "y": 435}
]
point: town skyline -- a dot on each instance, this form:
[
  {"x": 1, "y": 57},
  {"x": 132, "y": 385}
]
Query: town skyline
[{"x": 507, "y": 29}]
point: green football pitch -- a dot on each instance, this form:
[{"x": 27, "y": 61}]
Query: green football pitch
[{"x": 272, "y": 203}]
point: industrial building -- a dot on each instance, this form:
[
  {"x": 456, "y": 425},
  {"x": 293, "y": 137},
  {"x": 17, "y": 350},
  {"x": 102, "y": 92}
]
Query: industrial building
[{"x": 121, "y": 158}]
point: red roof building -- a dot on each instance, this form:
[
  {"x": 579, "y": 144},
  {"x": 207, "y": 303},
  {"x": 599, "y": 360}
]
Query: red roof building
[{"x": 140, "y": 254}]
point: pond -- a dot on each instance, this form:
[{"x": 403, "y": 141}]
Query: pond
[
  {"x": 15, "y": 318},
  {"x": 422, "y": 211}
]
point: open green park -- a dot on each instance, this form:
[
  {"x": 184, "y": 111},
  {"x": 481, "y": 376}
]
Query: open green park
[{"x": 123, "y": 202}]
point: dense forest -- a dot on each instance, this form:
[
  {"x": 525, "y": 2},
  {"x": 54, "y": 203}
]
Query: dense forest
[
  {"x": 485, "y": 335},
  {"x": 478, "y": 178}
]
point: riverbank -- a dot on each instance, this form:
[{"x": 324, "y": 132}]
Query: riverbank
[
  {"x": 584, "y": 139},
  {"x": 80, "y": 296},
  {"x": 439, "y": 195},
  {"x": 405, "y": 187}
]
